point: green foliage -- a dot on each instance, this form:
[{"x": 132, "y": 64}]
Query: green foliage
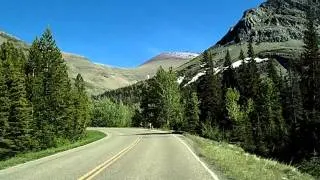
[
  {"x": 239, "y": 115},
  {"x": 191, "y": 117},
  {"x": 228, "y": 75},
  {"x": 310, "y": 87},
  {"x": 211, "y": 132},
  {"x": 235, "y": 163},
  {"x": 4, "y": 112},
  {"x": 251, "y": 53},
  {"x": 81, "y": 109},
  {"x": 16, "y": 112},
  {"x": 161, "y": 101},
  {"x": 106, "y": 113},
  {"x": 88, "y": 137},
  {"x": 241, "y": 55},
  {"x": 271, "y": 126},
  {"x": 311, "y": 166},
  {"x": 38, "y": 106}
]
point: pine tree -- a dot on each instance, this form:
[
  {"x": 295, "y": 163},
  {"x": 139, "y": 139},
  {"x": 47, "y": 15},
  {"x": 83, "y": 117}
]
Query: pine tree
[
  {"x": 228, "y": 76},
  {"x": 251, "y": 53},
  {"x": 80, "y": 114},
  {"x": 271, "y": 127},
  {"x": 248, "y": 79},
  {"x": 192, "y": 112},
  {"x": 310, "y": 85},
  {"x": 18, "y": 137},
  {"x": 241, "y": 55},
  {"x": 273, "y": 74},
  {"x": 293, "y": 114},
  {"x": 207, "y": 59},
  {"x": 51, "y": 90},
  {"x": 4, "y": 112},
  {"x": 210, "y": 95}
]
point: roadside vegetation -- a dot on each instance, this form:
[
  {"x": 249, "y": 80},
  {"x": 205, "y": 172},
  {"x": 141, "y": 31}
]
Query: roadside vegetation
[
  {"x": 106, "y": 113},
  {"x": 90, "y": 136},
  {"x": 235, "y": 163}
]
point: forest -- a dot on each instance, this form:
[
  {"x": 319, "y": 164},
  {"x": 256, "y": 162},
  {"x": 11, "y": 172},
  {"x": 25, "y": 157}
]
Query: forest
[{"x": 266, "y": 112}]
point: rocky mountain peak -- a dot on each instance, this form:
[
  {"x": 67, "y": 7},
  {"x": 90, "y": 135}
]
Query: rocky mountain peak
[{"x": 272, "y": 21}]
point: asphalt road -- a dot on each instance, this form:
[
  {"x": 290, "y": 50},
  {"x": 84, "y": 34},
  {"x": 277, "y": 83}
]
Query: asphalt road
[{"x": 124, "y": 154}]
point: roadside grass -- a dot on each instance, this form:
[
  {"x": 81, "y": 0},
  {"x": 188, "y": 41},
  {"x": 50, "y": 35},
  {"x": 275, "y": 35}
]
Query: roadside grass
[
  {"x": 91, "y": 136},
  {"x": 235, "y": 163}
]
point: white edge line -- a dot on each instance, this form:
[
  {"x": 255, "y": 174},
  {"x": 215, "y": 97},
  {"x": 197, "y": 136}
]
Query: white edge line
[{"x": 213, "y": 175}]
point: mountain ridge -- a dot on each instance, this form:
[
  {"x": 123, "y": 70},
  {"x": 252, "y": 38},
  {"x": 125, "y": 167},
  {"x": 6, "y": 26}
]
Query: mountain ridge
[{"x": 101, "y": 77}]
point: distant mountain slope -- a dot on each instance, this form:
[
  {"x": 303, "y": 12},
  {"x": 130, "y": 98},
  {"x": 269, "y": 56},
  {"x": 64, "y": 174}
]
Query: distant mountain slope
[
  {"x": 277, "y": 28},
  {"x": 167, "y": 60},
  {"x": 100, "y": 78}
]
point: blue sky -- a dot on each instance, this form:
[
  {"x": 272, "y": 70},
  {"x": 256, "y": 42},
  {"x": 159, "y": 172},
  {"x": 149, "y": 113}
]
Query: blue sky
[{"x": 124, "y": 32}]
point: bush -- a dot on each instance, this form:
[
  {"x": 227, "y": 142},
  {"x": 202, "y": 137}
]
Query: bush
[
  {"x": 106, "y": 113},
  {"x": 311, "y": 166},
  {"x": 211, "y": 132}
]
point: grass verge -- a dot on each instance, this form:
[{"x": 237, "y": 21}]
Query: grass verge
[
  {"x": 90, "y": 136},
  {"x": 235, "y": 163}
]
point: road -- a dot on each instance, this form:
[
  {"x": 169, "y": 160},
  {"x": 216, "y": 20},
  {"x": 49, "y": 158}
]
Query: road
[{"x": 123, "y": 154}]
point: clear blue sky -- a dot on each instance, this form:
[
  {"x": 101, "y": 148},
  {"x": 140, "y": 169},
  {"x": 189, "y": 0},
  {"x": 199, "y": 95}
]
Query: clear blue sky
[{"x": 124, "y": 32}]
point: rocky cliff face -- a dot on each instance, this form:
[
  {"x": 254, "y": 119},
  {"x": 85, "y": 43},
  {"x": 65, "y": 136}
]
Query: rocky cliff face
[{"x": 272, "y": 21}]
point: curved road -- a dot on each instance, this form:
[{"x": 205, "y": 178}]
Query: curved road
[{"x": 124, "y": 154}]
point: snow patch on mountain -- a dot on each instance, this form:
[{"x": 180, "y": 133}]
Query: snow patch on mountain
[
  {"x": 221, "y": 69},
  {"x": 180, "y": 79},
  {"x": 196, "y": 77},
  {"x": 182, "y": 55}
]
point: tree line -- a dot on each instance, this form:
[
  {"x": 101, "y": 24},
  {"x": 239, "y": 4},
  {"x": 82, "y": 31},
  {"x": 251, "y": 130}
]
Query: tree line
[{"x": 39, "y": 106}]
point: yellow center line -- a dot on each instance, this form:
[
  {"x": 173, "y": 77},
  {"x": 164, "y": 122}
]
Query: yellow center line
[{"x": 94, "y": 172}]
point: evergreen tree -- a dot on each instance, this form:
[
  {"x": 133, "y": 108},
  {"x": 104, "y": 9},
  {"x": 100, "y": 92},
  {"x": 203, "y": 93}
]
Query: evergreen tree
[
  {"x": 271, "y": 128},
  {"x": 192, "y": 112},
  {"x": 51, "y": 90},
  {"x": 210, "y": 95},
  {"x": 228, "y": 81},
  {"x": 228, "y": 76},
  {"x": 310, "y": 85},
  {"x": 273, "y": 74},
  {"x": 148, "y": 103},
  {"x": 4, "y": 112},
  {"x": 248, "y": 79},
  {"x": 293, "y": 114},
  {"x": 207, "y": 59},
  {"x": 18, "y": 130},
  {"x": 251, "y": 53},
  {"x": 241, "y": 55},
  {"x": 80, "y": 108}
]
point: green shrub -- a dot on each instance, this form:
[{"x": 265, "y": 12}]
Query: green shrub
[
  {"x": 106, "y": 113},
  {"x": 311, "y": 166}
]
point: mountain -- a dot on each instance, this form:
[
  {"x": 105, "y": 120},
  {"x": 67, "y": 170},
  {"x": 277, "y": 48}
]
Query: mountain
[
  {"x": 100, "y": 78},
  {"x": 167, "y": 60},
  {"x": 276, "y": 26}
]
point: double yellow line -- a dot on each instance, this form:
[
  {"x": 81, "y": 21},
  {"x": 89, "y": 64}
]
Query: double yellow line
[{"x": 94, "y": 172}]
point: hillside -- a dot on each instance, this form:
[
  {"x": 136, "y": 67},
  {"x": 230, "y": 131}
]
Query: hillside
[
  {"x": 100, "y": 78},
  {"x": 277, "y": 30}
]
